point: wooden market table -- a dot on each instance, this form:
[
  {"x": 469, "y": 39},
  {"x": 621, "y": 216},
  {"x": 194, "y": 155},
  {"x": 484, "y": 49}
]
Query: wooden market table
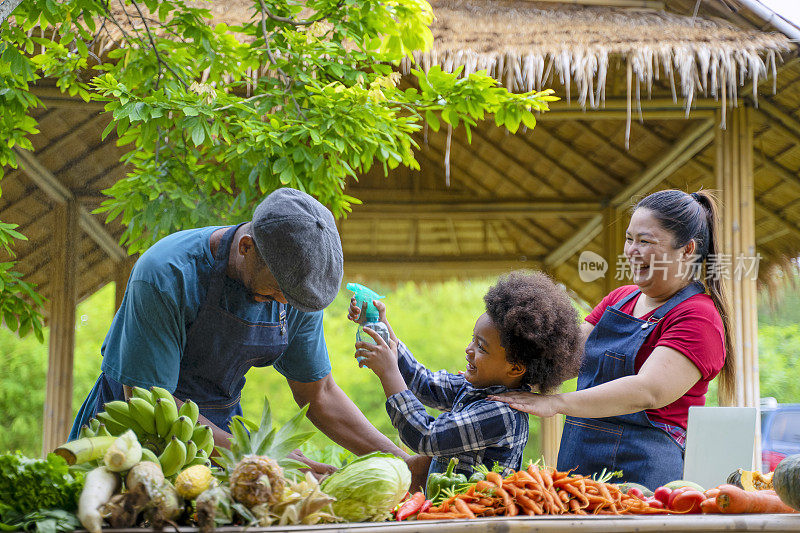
[{"x": 766, "y": 523}]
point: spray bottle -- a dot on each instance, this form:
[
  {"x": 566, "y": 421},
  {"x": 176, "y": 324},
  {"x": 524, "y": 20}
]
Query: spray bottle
[{"x": 368, "y": 317}]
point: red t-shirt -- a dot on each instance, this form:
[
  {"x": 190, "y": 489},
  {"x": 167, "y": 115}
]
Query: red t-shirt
[{"x": 694, "y": 328}]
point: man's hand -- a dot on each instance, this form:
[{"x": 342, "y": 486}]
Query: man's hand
[
  {"x": 419, "y": 465},
  {"x": 319, "y": 470}
]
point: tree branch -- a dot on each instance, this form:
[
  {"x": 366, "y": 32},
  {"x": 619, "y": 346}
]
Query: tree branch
[{"x": 155, "y": 49}]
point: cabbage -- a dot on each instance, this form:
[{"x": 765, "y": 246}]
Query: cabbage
[{"x": 368, "y": 488}]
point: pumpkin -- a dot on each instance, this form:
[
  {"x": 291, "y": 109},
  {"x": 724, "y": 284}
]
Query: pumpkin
[
  {"x": 750, "y": 480},
  {"x": 786, "y": 480},
  {"x": 735, "y": 478}
]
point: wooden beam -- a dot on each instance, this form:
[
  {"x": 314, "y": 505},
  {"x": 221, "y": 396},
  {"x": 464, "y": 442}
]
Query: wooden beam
[
  {"x": 581, "y": 238},
  {"x": 498, "y": 209},
  {"x": 621, "y": 104},
  {"x": 648, "y": 4},
  {"x": 452, "y": 266},
  {"x": 782, "y": 172},
  {"x": 52, "y": 97},
  {"x": 695, "y": 140},
  {"x": 619, "y": 114},
  {"x": 59, "y": 193},
  {"x": 682, "y": 151},
  {"x": 63, "y": 271}
]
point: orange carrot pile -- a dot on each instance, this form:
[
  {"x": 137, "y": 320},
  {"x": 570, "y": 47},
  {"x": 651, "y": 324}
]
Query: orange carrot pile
[{"x": 538, "y": 491}]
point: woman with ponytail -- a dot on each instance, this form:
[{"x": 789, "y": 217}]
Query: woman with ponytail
[{"x": 650, "y": 349}]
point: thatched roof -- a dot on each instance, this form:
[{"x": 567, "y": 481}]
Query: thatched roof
[
  {"x": 530, "y": 199},
  {"x": 531, "y": 45}
]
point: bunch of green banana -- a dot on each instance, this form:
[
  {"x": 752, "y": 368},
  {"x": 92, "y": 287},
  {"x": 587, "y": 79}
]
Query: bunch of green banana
[{"x": 170, "y": 436}]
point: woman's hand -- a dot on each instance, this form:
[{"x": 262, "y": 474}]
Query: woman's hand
[{"x": 543, "y": 405}]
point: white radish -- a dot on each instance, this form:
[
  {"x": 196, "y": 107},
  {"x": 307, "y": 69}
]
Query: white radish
[
  {"x": 100, "y": 484},
  {"x": 123, "y": 453}
]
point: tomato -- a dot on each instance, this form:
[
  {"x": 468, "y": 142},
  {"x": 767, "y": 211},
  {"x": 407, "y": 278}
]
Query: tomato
[
  {"x": 633, "y": 491},
  {"x": 662, "y": 494},
  {"x": 674, "y": 494},
  {"x": 687, "y": 501},
  {"x": 654, "y": 503}
]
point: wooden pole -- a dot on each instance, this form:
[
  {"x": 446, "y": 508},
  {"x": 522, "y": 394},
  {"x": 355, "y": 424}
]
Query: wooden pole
[
  {"x": 551, "y": 429},
  {"x": 64, "y": 264},
  {"x": 122, "y": 272},
  {"x": 734, "y": 168},
  {"x": 614, "y": 225}
]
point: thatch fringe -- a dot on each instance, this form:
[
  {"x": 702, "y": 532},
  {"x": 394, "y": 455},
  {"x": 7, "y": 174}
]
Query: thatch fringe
[{"x": 526, "y": 48}]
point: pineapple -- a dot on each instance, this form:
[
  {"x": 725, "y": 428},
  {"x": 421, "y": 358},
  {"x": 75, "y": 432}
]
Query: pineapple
[
  {"x": 257, "y": 463},
  {"x": 257, "y": 479}
]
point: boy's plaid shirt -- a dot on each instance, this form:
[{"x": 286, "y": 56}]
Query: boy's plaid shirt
[{"x": 474, "y": 429}]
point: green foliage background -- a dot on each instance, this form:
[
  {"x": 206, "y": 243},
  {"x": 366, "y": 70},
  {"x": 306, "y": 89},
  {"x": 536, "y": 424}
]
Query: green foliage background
[{"x": 434, "y": 320}]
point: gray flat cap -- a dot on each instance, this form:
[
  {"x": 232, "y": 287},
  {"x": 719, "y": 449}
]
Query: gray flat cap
[{"x": 297, "y": 238}]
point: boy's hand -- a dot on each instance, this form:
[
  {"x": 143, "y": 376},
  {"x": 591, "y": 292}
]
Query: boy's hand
[
  {"x": 381, "y": 358},
  {"x": 354, "y": 312}
]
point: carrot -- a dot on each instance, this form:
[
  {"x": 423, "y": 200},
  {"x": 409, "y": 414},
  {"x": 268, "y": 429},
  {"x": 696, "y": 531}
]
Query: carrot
[
  {"x": 486, "y": 502},
  {"x": 463, "y": 508},
  {"x": 566, "y": 481},
  {"x": 439, "y": 516},
  {"x": 604, "y": 492},
  {"x": 529, "y": 506},
  {"x": 512, "y": 489},
  {"x": 559, "y": 475},
  {"x": 476, "y": 508},
  {"x": 495, "y": 478},
  {"x": 575, "y": 491},
  {"x": 734, "y": 500},
  {"x": 709, "y": 505},
  {"x": 484, "y": 486},
  {"x": 546, "y": 477}
]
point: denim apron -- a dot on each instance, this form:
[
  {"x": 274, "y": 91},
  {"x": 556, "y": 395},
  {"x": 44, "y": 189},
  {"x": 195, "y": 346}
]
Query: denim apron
[
  {"x": 220, "y": 349},
  {"x": 645, "y": 453}
]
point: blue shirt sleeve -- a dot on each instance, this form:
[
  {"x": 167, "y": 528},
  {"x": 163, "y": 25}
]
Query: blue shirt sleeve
[
  {"x": 306, "y": 357},
  {"x": 145, "y": 343},
  {"x": 434, "y": 389},
  {"x": 479, "y": 425}
]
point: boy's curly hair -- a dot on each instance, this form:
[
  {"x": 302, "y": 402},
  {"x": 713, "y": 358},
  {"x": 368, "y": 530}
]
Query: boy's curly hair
[{"x": 538, "y": 328}]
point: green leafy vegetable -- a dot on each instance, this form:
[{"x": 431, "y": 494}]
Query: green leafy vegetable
[
  {"x": 368, "y": 488},
  {"x": 28, "y": 485},
  {"x": 44, "y": 521}
]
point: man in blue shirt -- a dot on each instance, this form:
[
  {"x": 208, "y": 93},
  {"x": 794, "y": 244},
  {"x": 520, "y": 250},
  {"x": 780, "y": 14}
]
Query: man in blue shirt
[{"x": 203, "y": 306}]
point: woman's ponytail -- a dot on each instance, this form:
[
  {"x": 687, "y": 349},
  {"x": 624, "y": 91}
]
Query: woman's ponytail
[{"x": 716, "y": 286}]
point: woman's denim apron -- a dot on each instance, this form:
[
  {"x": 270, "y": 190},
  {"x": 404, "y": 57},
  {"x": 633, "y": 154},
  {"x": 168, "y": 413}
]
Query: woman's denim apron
[
  {"x": 220, "y": 349},
  {"x": 645, "y": 453}
]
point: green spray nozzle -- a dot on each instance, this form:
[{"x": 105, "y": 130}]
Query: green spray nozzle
[{"x": 365, "y": 295}]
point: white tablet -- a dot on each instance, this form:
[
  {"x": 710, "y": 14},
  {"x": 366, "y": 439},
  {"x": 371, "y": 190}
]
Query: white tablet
[{"x": 718, "y": 441}]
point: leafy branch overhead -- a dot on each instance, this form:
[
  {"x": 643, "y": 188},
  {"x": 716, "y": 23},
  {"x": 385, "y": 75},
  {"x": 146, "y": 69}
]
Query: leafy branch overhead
[{"x": 213, "y": 116}]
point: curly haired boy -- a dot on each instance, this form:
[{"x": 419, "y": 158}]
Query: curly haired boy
[{"x": 528, "y": 339}]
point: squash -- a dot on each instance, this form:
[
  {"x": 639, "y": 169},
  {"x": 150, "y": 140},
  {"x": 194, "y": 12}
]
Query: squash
[
  {"x": 750, "y": 480},
  {"x": 786, "y": 480},
  {"x": 735, "y": 478}
]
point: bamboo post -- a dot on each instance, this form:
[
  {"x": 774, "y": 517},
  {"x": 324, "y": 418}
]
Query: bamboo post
[
  {"x": 734, "y": 169},
  {"x": 64, "y": 264},
  {"x": 122, "y": 272},
  {"x": 551, "y": 429},
  {"x": 613, "y": 243}
]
